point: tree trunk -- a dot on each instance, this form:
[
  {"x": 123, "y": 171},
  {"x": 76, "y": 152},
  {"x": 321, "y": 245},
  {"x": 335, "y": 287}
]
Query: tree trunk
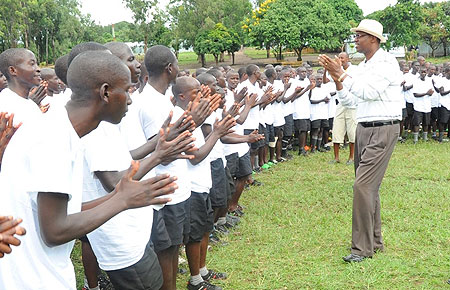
[
  {"x": 216, "y": 57},
  {"x": 298, "y": 51},
  {"x": 222, "y": 57},
  {"x": 203, "y": 60},
  {"x": 46, "y": 47},
  {"x": 232, "y": 58},
  {"x": 145, "y": 43},
  {"x": 279, "y": 54},
  {"x": 267, "y": 51}
]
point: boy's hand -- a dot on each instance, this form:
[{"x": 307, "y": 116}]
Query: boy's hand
[
  {"x": 7, "y": 130},
  {"x": 430, "y": 92},
  {"x": 199, "y": 109},
  {"x": 182, "y": 124},
  {"x": 241, "y": 95},
  {"x": 136, "y": 194},
  {"x": 8, "y": 228},
  {"x": 254, "y": 137},
  {"x": 233, "y": 111},
  {"x": 222, "y": 128},
  {"x": 169, "y": 151},
  {"x": 37, "y": 94}
]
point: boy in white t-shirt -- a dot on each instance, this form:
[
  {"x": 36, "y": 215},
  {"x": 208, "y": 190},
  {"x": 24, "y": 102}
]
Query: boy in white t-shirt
[
  {"x": 50, "y": 201},
  {"x": 319, "y": 99},
  {"x": 201, "y": 216},
  {"x": 422, "y": 91},
  {"x": 444, "y": 109}
]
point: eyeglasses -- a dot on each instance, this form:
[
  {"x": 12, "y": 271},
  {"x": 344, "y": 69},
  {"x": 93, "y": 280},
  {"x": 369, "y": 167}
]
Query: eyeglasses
[{"x": 358, "y": 36}]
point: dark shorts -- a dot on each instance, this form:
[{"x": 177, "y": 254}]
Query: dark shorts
[
  {"x": 421, "y": 118},
  {"x": 278, "y": 131},
  {"x": 270, "y": 132},
  {"x": 330, "y": 123},
  {"x": 218, "y": 192},
  {"x": 322, "y": 123},
  {"x": 239, "y": 166},
  {"x": 404, "y": 114},
  {"x": 409, "y": 109},
  {"x": 145, "y": 274},
  {"x": 84, "y": 239},
  {"x": 302, "y": 125},
  {"x": 289, "y": 125},
  {"x": 435, "y": 114},
  {"x": 444, "y": 115},
  {"x": 254, "y": 145},
  {"x": 202, "y": 216},
  {"x": 263, "y": 130},
  {"x": 231, "y": 187},
  {"x": 171, "y": 225}
]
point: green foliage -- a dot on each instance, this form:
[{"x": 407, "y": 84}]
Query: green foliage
[
  {"x": 214, "y": 41},
  {"x": 401, "y": 22},
  {"x": 432, "y": 30}
]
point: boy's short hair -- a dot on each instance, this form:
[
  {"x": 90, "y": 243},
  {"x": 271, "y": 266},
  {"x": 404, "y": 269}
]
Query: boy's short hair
[
  {"x": 157, "y": 58},
  {"x": 9, "y": 58},
  {"x": 61, "y": 66},
  {"x": 82, "y": 47}
]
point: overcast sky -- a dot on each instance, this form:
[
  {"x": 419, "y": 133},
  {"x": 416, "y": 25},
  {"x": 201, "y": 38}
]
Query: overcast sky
[{"x": 112, "y": 11}]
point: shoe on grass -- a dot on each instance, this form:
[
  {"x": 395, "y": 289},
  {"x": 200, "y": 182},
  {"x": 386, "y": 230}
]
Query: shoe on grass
[
  {"x": 214, "y": 275},
  {"x": 354, "y": 258},
  {"x": 265, "y": 166},
  {"x": 205, "y": 285},
  {"x": 350, "y": 162},
  {"x": 221, "y": 229},
  {"x": 334, "y": 161},
  {"x": 233, "y": 220}
]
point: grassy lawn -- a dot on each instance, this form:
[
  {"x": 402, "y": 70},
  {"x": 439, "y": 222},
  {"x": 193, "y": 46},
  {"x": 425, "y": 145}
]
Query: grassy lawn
[
  {"x": 190, "y": 57},
  {"x": 256, "y": 53},
  {"x": 298, "y": 226},
  {"x": 437, "y": 60}
]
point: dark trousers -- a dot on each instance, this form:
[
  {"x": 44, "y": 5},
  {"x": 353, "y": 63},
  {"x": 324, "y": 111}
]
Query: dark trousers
[{"x": 373, "y": 149}]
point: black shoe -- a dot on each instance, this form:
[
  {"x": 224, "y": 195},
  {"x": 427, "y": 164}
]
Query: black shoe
[
  {"x": 214, "y": 275},
  {"x": 221, "y": 229},
  {"x": 104, "y": 283},
  {"x": 256, "y": 183},
  {"x": 233, "y": 220},
  {"x": 182, "y": 271},
  {"x": 448, "y": 282},
  {"x": 203, "y": 286},
  {"x": 354, "y": 258}
]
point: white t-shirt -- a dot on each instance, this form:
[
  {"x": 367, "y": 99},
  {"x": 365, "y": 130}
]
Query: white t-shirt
[
  {"x": 60, "y": 99},
  {"x": 278, "y": 107},
  {"x": 121, "y": 241},
  {"x": 201, "y": 180},
  {"x": 409, "y": 79},
  {"x": 330, "y": 88},
  {"x": 435, "y": 97},
  {"x": 24, "y": 109},
  {"x": 130, "y": 126},
  {"x": 154, "y": 108},
  {"x": 240, "y": 148},
  {"x": 218, "y": 149},
  {"x": 301, "y": 105},
  {"x": 252, "y": 121},
  {"x": 445, "y": 100},
  {"x": 45, "y": 156},
  {"x": 319, "y": 111},
  {"x": 422, "y": 104},
  {"x": 289, "y": 108}
]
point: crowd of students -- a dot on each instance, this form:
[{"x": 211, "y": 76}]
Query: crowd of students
[{"x": 192, "y": 142}]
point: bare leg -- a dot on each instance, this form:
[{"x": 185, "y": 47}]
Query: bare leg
[{"x": 90, "y": 265}]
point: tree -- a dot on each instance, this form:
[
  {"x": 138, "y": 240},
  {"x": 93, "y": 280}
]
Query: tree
[
  {"x": 296, "y": 24},
  {"x": 401, "y": 22},
  {"x": 253, "y": 29},
  {"x": 235, "y": 44},
  {"x": 433, "y": 30},
  {"x": 141, "y": 11},
  {"x": 214, "y": 41}
]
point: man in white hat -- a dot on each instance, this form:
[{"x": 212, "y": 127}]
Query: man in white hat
[{"x": 375, "y": 89}]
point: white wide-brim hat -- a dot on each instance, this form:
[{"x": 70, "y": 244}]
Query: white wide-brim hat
[{"x": 371, "y": 27}]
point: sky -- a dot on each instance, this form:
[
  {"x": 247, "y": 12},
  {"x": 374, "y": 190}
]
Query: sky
[{"x": 116, "y": 11}]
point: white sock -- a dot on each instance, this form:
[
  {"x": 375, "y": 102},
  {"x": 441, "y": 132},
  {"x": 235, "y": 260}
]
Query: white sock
[
  {"x": 203, "y": 271},
  {"x": 197, "y": 279},
  {"x": 221, "y": 221}
]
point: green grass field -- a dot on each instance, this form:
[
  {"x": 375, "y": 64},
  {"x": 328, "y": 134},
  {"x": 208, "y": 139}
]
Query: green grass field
[
  {"x": 190, "y": 57},
  {"x": 298, "y": 226}
]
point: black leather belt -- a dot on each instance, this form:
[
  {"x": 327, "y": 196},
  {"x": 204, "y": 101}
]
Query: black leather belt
[{"x": 379, "y": 123}]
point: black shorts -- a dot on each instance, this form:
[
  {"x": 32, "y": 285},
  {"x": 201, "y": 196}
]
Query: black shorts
[
  {"x": 278, "y": 131},
  {"x": 254, "y": 145},
  {"x": 231, "y": 188},
  {"x": 404, "y": 114},
  {"x": 171, "y": 225},
  {"x": 434, "y": 114},
  {"x": 409, "y": 109},
  {"x": 263, "y": 130},
  {"x": 145, "y": 274},
  {"x": 84, "y": 239},
  {"x": 218, "y": 192},
  {"x": 330, "y": 123},
  {"x": 288, "y": 125},
  {"x": 321, "y": 123},
  {"x": 444, "y": 115},
  {"x": 270, "y": 132},
  {"x": 302, "y": 125},
  {"x": 202, "y": 216},
  {"x": 239, "y": 166},
  {"x": 421, "y": 118}
]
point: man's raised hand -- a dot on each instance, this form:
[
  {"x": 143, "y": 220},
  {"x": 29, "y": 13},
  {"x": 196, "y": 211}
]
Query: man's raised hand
[
  {"x": 254, "y": 137},
  {"x": 37, "y": 94},
  {"x": 183, "y": 123},
  {"x": 7, "y": 130},
  {"x": 8, "y": 228},
  {"x": 223, "y": 127}
]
